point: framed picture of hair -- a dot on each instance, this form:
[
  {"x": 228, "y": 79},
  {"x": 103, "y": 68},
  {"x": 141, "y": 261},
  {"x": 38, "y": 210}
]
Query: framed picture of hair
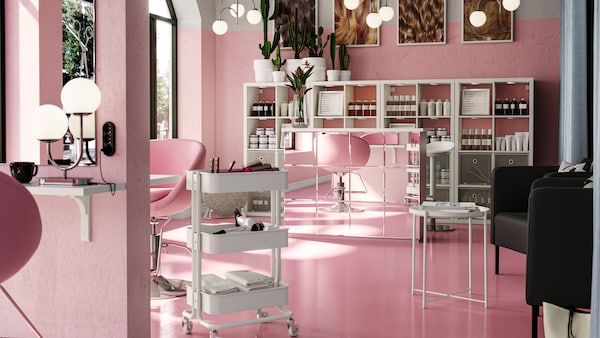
[
  {"x": 486, "y": 21},
  {"x": 350, "y": 26},
  {"x": 421, "y": 22},
  {"x": 307, "y": 15}
]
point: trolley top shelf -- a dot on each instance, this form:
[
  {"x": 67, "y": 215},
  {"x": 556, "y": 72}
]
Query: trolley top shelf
[{"x": 205, "y": 181}]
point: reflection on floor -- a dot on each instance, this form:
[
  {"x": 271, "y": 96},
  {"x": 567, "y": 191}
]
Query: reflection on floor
[
  {"x": 357, "y": 287},
  {"x": 304, "y": 214}
]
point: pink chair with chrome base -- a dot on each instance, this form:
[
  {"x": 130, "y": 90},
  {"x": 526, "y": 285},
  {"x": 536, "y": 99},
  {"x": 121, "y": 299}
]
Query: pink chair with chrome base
[
  {"x": 340, "y": 154},
  {"x": 170, "y": 157},
  {"x": 21, "y": 233}
]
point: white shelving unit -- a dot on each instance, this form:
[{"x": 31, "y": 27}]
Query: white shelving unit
[
  {"x": 201, "y": 239},
  {"x": 414, "y": 110}
]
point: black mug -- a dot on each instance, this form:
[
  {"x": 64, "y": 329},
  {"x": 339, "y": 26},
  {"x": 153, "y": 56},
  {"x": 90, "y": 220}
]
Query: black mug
[{"x": 23, "y": 171}]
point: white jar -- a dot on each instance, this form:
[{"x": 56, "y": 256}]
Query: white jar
[
  {"x": 446, "y": 107},
  {"x": 439, "y": 107},
  {"x": 431, "y": 107}
]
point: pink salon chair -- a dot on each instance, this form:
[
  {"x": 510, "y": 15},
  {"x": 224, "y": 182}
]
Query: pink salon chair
[
  {"x": 170, "y": 157},
  {"x": 21, "y": 233},
  {"x": 340, "y": 154}
]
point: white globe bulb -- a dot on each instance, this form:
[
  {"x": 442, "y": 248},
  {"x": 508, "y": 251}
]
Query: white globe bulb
[
  {"x": 80, "y": 96},
  {"x": 219, "y": 27},
  {"x": 374, "y": 20},
  {"x": 237, "y": 10},
  {"x": 386, "y": 13},
  {"x": 511, "y": 5},
  {"x": 253, "y": 16},
  {"x": 477, "y": 18},
  {"x": 50, "y": 123},
  {"x": 351, "y": 4}
]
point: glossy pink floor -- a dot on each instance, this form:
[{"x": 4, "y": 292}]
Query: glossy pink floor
[{"x": 353, "y": 287}]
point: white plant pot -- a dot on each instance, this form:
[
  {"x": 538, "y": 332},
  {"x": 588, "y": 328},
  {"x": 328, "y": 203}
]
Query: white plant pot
[
  {"x": 333, "y": 75},
  {"x": 319, "y": 70},
  {"x": 291, "y": 65},
  {"x": 263, "y": 70},
  {"x": 344, "y": 75},
  {"x": 278, "y": 75}
]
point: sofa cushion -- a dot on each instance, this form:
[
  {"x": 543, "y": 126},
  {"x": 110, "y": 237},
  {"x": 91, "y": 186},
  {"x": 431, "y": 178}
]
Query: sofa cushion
[{"x": 514, "y": 230}]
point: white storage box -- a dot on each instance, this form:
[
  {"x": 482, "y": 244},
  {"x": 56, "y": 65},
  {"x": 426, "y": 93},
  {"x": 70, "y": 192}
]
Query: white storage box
[
  {"x": 242, "y": 301},
  {"x": 240, "y": 241}
]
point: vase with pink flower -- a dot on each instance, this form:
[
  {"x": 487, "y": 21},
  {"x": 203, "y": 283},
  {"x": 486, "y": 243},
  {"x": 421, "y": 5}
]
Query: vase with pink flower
[{"x": 297, "y": 82}]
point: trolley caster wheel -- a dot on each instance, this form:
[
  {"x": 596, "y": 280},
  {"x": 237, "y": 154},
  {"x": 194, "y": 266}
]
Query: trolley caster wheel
[
  {"x": 292, "y": 328},
  {"x": 187, "y": 325},
  {"x": 213, "y": 334},
  {"x": 261, "y": 313}
]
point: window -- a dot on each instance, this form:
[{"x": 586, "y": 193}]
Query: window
[
  {"x": 163, "y": 70},
  {"x": 2, "y": 88}
]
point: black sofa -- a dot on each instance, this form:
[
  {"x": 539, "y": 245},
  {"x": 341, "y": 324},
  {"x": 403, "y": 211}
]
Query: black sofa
[
  {"x": 559, "y": 245},
  {"x": 510, "y": 198}
]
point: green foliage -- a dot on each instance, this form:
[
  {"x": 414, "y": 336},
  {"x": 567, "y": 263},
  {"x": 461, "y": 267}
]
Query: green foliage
[
  {"x": 344, "y": 57},
  {"x": 277, "y": 61},
  {"x": 299, "y": 35},
  {"x": 268, "y": 47},
  {"x": 298, "y": 80},
  {"x": 316, "y": 45},
  {"x": 76, "y": 62},
  {"x": 332, "y": 49}
]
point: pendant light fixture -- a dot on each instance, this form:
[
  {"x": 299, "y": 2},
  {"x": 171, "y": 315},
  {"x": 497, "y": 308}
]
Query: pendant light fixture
[
  {"x": 478, "y": 18},
  {"x": 351, "y": 4},
  {"x": 236, "y": 10},
  {"x": 386, "y": 12},
  {"x": 374, "y": 20}
]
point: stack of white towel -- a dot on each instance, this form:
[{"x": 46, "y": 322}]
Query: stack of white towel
[{"x": 240, "y": 280}]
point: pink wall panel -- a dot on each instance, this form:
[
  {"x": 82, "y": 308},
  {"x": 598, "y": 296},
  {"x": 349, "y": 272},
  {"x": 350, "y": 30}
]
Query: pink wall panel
[{"x": 535, "y": 40}]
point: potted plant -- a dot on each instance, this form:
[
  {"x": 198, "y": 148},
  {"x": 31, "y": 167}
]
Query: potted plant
[
  {"x": 278, "y": 74},
  {"x": 263, "y": 68},
  {"x": 299, "y": 37},
  {"x": 332, "y": 74},
  {"x": 344, "y": 62},
  {"x": 297, "y": 82},
  {"x": 316, "y": 47}
]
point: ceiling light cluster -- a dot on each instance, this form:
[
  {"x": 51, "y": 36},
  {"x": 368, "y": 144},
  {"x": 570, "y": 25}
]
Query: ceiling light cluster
[
  {"x": 236, "y": 10},
  {"x": 478, "y": 18},
  {"x": 374, "y": 19}
]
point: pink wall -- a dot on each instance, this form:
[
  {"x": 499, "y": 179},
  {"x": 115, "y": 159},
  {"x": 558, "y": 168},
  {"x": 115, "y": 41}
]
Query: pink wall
[
  {"x": 72, "y": 288},
  {"x": 534, "y": 53}
]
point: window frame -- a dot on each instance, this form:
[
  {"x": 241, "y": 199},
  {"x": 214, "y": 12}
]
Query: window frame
[{"x": 153, "y": 76}]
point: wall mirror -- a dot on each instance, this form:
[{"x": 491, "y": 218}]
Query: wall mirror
[{"x": 78, "y": 32}]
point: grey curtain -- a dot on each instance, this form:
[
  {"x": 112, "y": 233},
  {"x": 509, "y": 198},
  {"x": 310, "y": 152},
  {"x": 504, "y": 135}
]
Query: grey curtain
[
  {"x": 595, "y": 324},
  {"x": 573, "y": 132}
]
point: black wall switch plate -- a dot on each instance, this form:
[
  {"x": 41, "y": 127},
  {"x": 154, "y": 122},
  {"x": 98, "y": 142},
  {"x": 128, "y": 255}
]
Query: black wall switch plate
[{"x": 109, "y": 139}]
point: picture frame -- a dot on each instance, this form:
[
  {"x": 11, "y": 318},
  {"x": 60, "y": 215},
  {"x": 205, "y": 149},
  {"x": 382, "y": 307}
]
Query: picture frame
[
  {"x": 287, "y": 141},
  {"x": 475, "y": 102},
  {"x": 360, "y": 34},
  {"x": 498, "y": 26},
  {"x": 331, "y": 103},
  {"x": 307, "y": 9},
  {"x": 411, "y": 28}
]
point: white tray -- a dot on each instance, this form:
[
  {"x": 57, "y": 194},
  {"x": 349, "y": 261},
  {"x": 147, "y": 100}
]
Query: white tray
[
  {"x": 241, "y": 301},
  {"x": 240, "y": 241}
]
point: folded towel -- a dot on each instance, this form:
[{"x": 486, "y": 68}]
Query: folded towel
[
  {"x": 250, "y": 280},
  {"x": 216, "y": 285}
]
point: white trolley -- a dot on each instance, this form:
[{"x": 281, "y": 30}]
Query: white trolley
[{"x": 201, "y": 240}]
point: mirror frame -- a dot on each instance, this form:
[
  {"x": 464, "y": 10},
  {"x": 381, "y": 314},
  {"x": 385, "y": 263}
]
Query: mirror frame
[{"x": 78, "y": 37}]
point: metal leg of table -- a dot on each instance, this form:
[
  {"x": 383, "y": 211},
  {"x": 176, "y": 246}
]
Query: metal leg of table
[
  {"x": 412, "y": 280},
  {"x": 424, "y": 290},
  {"x": 470, "y": 256}
]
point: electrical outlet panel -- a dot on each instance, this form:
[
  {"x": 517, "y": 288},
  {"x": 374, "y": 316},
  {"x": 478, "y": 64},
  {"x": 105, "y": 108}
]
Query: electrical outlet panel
[{"x": 109, "y": 139}]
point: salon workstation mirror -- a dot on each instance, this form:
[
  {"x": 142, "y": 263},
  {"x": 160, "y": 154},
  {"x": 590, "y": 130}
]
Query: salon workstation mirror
[{"x": 78, "y": 22}]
